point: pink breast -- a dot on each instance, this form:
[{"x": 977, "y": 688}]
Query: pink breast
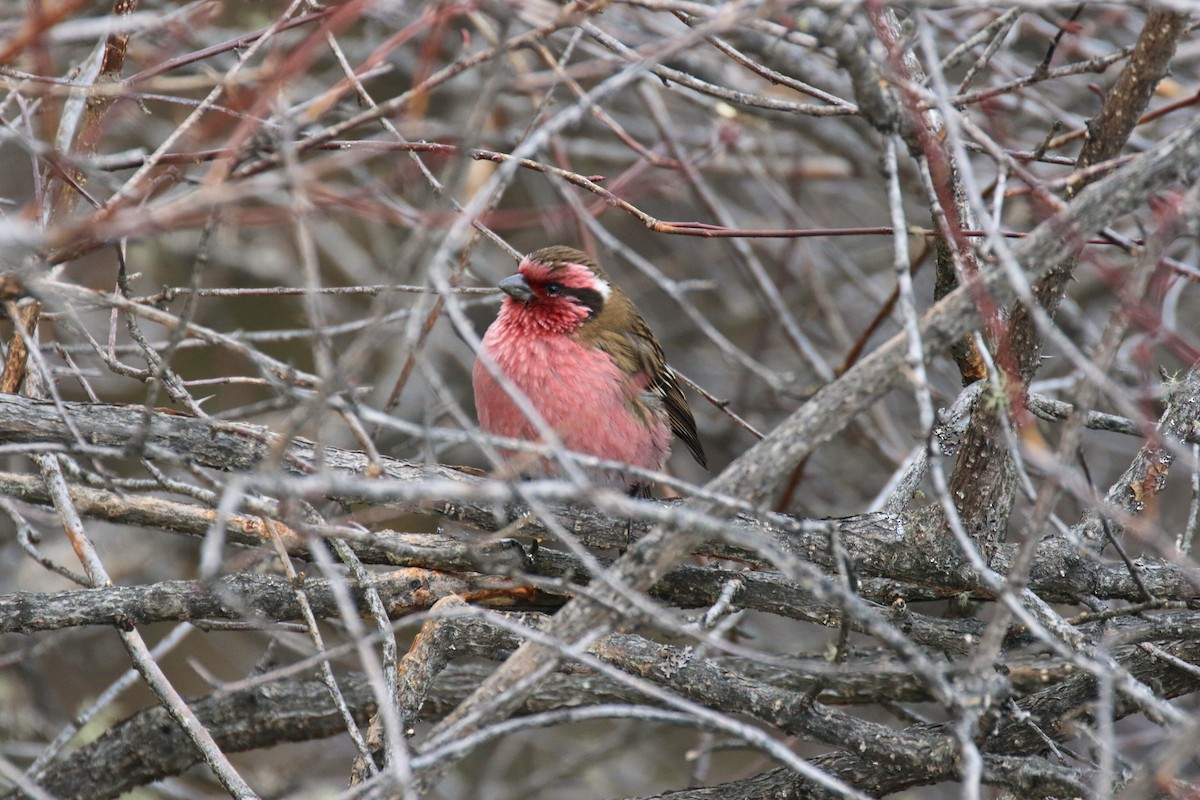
[{"x": 580, "y": 393}]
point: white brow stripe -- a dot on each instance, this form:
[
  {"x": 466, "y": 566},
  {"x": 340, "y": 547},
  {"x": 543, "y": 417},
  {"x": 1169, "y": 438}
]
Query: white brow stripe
[{"x": 595, "y": 282}]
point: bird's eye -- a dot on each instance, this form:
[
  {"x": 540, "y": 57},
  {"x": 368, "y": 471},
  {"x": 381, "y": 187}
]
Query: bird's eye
[{"x": 553, "y": 288}]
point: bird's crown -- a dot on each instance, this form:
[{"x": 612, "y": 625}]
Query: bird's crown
[{"x": 559, "y": 257}]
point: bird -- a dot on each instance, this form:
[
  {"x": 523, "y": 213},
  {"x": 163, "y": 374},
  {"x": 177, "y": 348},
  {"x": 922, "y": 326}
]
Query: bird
[{"x": 576, "y": 346}]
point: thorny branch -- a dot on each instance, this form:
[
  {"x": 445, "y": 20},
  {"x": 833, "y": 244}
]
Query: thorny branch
[{"x": 271, "y": 221}]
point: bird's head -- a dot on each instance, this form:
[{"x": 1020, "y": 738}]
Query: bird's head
[{"x": 556, "y": 290}]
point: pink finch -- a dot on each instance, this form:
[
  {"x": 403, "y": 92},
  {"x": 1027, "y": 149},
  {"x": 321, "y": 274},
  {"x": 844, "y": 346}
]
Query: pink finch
[{"x": 580, "y": 351}]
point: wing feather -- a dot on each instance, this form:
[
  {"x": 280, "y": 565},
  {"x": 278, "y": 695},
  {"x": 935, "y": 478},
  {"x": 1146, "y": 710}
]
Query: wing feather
[{"x": 638, "y": 350}]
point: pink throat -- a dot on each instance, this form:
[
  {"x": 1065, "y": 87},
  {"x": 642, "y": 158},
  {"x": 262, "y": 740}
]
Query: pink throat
[
  {"x": 539, "y": 317},
  {"x": 577, "y": 389}
]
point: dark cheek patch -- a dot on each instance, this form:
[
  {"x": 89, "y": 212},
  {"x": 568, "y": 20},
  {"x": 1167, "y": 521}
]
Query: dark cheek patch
[
  {"x": 575, "y": 280},
  {"x": 588, "y": 297}
]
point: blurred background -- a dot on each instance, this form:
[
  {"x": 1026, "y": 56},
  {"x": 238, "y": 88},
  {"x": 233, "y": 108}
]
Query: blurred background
[{"x": 214, "y": 180}]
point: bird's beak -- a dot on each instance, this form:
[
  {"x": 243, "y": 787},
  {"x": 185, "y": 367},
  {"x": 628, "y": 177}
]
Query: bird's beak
[{"x": 515, "y": 287}]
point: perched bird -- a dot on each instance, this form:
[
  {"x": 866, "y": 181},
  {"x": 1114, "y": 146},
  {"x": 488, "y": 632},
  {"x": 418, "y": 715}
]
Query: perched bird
[{"x": 578, "y": 348}]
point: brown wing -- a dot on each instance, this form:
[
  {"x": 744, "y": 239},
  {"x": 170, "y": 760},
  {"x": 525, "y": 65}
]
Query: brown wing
[
  {"x": 650, "y": 358},
  {"x": 682, "y": 423},
  {"x": 619, "y": 330}
]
